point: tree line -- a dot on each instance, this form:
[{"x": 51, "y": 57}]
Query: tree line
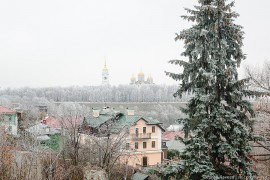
[{"x": 121, "y": 93}]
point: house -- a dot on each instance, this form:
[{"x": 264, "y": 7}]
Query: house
[
  {"x": 170, "y": 138},
  {"x": 45, "y": 135},
  {"x": 9, "y": 120},
  {"x": 143, "y": 141}
]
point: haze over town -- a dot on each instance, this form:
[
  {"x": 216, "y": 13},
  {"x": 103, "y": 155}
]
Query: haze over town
[
  {"x": 63, "y": 43},
  {"x": 87, "y": 91}
]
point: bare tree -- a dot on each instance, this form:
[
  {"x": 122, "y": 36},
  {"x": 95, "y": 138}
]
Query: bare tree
[
  {"x": 260, "y": 77},
  {"x": 106, "y": 147},
  {"x": 260, "y": 80},
  {"x": 71, "y": 116}
]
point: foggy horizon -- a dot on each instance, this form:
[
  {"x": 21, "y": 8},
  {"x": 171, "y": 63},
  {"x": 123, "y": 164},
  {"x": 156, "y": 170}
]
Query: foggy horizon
[{"x": 65, "y": 43}]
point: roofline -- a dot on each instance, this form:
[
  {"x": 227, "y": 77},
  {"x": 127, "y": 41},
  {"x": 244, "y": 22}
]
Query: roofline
[
  {"x": 158, "y": 124},
  {"x": 161, "y": 128},
  {"x": 8, "y": 112}
]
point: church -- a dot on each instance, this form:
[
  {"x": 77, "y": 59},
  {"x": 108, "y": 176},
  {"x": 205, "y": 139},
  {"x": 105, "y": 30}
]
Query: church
[
  {"x": 133, "y": 80},
  {"x": 141, "y": 79},
  {"x": 105, "y": 75}
]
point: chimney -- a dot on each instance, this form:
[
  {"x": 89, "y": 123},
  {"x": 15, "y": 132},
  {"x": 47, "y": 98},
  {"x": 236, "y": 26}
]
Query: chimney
[
  {"x": 106, "y": 109},
  {"x": 130, "y": 112},
  {"x": 96, "y": 113}
]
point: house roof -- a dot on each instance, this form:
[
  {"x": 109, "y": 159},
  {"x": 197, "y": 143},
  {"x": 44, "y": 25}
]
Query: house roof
[
  {"x": 97, "y": 121},
  {"x": 175, "y": 144},
  {"x": 171, "y": 135},
  {"x": 5, "y": 110},
  {"x": 64, "y": 122},
  {"x": 41, "y": 129},
  {"x": 121, "y": 120},
  {"x": 43, "y": 138},
  {"x": 126, "y": 120},
  {"x": 52, "y": 122},
  {"x": 139, "y": 176}
]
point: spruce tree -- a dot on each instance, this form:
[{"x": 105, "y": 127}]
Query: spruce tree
[{"x": 218, "y": 127}]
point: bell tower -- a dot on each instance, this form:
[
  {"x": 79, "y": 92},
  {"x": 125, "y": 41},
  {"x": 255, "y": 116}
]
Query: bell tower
[{"x": 105, "y": 75}]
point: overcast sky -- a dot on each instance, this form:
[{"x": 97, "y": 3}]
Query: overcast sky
[{"x": 65, "y": 42}]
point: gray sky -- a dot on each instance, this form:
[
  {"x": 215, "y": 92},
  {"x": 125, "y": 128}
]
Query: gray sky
[{"x": 64, "y": 42}]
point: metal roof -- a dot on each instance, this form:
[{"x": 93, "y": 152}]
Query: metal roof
[
  {"x": 41, "y": 129},
  {"x": 139, "y": 176},
  {"x": 121, "y": 120}
]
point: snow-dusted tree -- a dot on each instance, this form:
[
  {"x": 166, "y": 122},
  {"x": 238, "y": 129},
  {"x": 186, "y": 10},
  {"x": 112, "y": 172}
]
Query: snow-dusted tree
[
  {"x": 218, "y": 128},
  {"x": 71, "y": 116},
  {"x": 260, "y": 77}
]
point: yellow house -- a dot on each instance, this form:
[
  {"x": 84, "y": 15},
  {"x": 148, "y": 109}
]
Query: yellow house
[
  {"x": 143, "y": 144},
  {"x": 144, "y": 141}
]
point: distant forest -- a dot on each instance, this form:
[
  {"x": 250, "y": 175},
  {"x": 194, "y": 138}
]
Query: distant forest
[
  {"x": 156, "y": 101},
  {"x": 121, "y": 93}
]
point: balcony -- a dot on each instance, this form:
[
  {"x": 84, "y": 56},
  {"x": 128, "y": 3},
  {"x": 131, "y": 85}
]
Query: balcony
[{"x": 141, "y": 136}]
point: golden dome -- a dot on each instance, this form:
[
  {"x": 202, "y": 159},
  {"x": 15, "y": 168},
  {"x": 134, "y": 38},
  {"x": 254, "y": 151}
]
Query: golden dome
[
  {"x": 132, "y": 78},
  {"x": 141, "y": 73}
]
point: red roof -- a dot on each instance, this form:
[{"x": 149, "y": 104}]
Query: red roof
[
  {"x": 5, "y": 110},
  {"x": 65, "y": 122},
  {"x": 52, "y": 122},
  {"x": 171, "y": 135}
]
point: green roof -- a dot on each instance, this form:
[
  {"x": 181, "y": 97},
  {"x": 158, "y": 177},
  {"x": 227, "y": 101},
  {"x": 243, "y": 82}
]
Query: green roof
[
  {"x": 124, "y": 120},
  {"x": 139, "y": 176},
  {"x": 131, "y": 120},
  {"x": 97, "y": 121}
]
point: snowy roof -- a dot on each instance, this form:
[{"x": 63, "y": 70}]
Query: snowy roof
[
  {"x": 171, "y": 135},
  {"x": 122, "y": 120},
  {"x": 43, "y": 138},
  {"x": 139, "y": 176},
  {"x": 42, "y": 129},
  {"x": 175, "y": 144},
  {"x": 175, "y": 127}
]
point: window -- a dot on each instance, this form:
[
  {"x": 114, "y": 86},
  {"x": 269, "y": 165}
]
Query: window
[
  {"x": 153, "y": 129},
  {"x": 137, "y": 131},
  {"x": 9, "y": 129},
  {"x": 54, "y": 141},
  {"x": 144, "y": 129},
  {"x": 153, "y": 144},
  {"x": 144, "y": 145},
  {"x": 9, "y": 117},
  {"x": 136, "y": 145},
  {"x": 127, "y": 146},
  {"x": 163, "y": 144}
]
